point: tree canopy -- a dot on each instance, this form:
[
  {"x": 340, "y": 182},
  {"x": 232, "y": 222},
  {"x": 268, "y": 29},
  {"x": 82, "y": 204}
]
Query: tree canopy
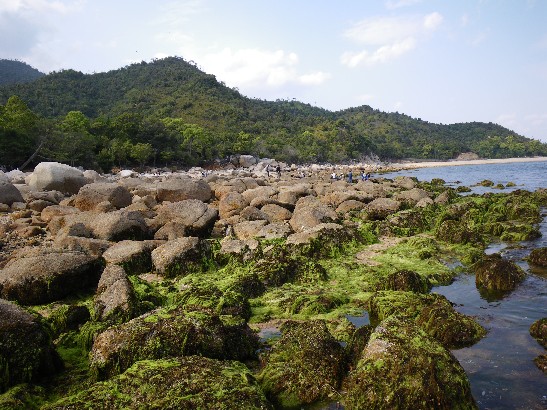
[{"x": 168, "y": 112}]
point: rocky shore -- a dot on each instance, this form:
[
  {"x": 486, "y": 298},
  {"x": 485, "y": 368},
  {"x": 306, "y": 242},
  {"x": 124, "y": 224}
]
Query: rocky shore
[{"x": 232, "y": 288}]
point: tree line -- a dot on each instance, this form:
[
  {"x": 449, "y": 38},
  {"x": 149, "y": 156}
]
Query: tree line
[{"x": 169, "y": 113}]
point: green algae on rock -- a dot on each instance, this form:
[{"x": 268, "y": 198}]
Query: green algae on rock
[
  {"x": 170, "y": 333},
  {"x": 495, "y": 274},
  {"x": 304, "y": 366},
  {"x": 538, "y": 257},
  {"x": 538, "y": 331},
  {"x": 403, "y": 368},
  {"x": 191, "y": 382}
]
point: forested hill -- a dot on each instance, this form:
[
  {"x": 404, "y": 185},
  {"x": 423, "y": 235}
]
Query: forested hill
[
  {"x": 186, "y": 116},
  {"x": 13, "y": 72}
]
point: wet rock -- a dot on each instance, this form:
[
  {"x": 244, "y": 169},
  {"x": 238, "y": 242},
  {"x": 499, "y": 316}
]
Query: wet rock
[
  {"x": 192, "y": 382},
  {"x": 452, "y": 329},
  {"x": 41, "y": 276},
  {"x": 48, "y": 176},
  {"x": 541, "y": 363},
  {"x": 538, "y": 331},
  {"x": 406, "y": 280},
  {"x": 91, "y": 195},
  {"x": 180, "y": 189},
  {"x": 306, "y": 365},
  {"x": 406, "y": 223},
  {"x": 170, "y": 333},
  {"x": 538, "y": 257},
  {"x": 457, "y": 232},
  {"x": 26, "y": 350},
  {"x": 497, "y": 274},
  {"x": 401, "y": 367}
]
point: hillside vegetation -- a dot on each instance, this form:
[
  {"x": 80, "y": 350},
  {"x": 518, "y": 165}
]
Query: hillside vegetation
[
  {"x": 13, "y": 72},
  {"x": 168, "y": 112}
]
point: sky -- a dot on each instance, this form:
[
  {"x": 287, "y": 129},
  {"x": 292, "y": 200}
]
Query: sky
[{"x": 443, "y": 61}]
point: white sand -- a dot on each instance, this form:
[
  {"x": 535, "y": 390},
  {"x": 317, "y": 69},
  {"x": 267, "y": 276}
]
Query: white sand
[{"x": 411, "y": 165}]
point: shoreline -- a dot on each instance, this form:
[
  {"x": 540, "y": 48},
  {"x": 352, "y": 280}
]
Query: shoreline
[{"x": 431, "y": 164}]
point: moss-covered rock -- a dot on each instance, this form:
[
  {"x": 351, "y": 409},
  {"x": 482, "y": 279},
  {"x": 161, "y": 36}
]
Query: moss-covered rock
[
  {"x": 404, "y": 368},
  {"x": 24, "y": 396},
  {"x": 357, "y": 344},
  {"x": 163, "y": 333},
  {"x": 64, "y": 318},
  {"x": 406, "y": 280},
  {"x": 177, "y": 383},
  {"x": 432, "y": 312},
  {"x": 538, "y": 331},
  {"x": 493, "y": 273},
  {"x": 538, "y": 257},
  {"x": 455, "y": 232},
  {"x": 451, "y": 328},
  {"x": 26, "y": 350},
  {"x": 304, "y": 366},
  {"x": 541, "y": 362}
]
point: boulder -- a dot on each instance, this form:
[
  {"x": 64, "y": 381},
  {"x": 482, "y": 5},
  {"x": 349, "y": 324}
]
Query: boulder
[
  {"x": 166, "y": 333},
  {"x": 248, "y": 229},
  {"x": 91, "y": 195},
  {"x": 44, "y": 275},
  {"x": 180, "y": 189},
  {"x": 231, "y": 204},
  {"x": 135, "y": 257},
  {"x": 48, "y": 176},
  {"x": 275, "y": 230},
  {"x": 309, "y": 212},
  {"x": 406, "y": 280},
  {"x": 276, "y": 213},
  {"x": 411, "y": 196},
  {"x": 16, "y": 176},
  {"x": 493, "y": 273},
  {"x": 306, "y": 365},
  {"x": 196, "y": 217},
  {"x": 119, "y": 225},
  {"x": 259, "y": 192},
  {"x": 179, "y": 256},
  {"x": 191, "y": 382},
  {"x": 8, "y": 192},
  {"x": 402, "y": 367},
  {"x": 538, "y": 331},
  {"x": 538, "y": 257},
  {"x": 247, "y": 161},
  {"x": 115, "y": 298},
  {"x": 251, "y": 213},
  {"x": 380, "y": 208},
  {"x": 26, "y": 350},
  {"x": 404, "y": 182}
]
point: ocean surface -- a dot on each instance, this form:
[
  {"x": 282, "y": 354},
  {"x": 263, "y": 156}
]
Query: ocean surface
[
  {"x": 525, "y": 175},
  {"x": 500, "y": 367}
]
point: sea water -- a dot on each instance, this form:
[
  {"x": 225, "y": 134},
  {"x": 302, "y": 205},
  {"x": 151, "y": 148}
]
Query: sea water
[{"x": 500, "y": 367}]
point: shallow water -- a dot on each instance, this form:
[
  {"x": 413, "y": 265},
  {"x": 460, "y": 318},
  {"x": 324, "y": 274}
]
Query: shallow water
[
  {"x": 525, "y": 175},
  {"x": 500, "y": 367}
]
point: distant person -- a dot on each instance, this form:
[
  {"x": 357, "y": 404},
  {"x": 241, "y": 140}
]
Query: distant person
[
  {"x": 268, "y": 170},
  {"x": 278, "y": 171},
  {"x": 350, "y": 176},
  {"x": 333, "y": 176},
  {"x": 367, "y": 176},
  {"x": 363, "y": 176}
]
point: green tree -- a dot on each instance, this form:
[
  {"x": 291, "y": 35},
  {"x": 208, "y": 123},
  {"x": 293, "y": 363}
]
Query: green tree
[{"x": 141, "y": 153}]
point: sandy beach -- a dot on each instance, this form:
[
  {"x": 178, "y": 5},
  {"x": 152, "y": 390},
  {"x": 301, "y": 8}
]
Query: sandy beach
[{"x": 412, "y": 165}]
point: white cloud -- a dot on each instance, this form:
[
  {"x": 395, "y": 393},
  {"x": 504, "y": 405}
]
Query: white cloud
[
  {"x": 255, "y": 67},
  {"x": 37, "y": 6},
  {"x": 389, "y": 37}
]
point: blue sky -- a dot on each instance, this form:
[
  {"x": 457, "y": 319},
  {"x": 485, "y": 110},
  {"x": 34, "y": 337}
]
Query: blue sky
[{"x": 442, "y": 61}]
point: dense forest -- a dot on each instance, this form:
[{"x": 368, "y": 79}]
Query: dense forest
[
  {"x": 168, "y": 112},
  {"x": 13, "y": 72}
]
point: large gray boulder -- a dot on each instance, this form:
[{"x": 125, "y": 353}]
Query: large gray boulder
[
  {"x": 179, "y": 189},
  {"x": 45, "y": 275},
  {"x": 8, "y": 193},
  {"x": 48, "y": 176},
  {"x": 26, "y": 351},
  {"x": 134, "y": 256},
  {"x": 93, "y": 194},
  {"x": 231, "y": 204}
]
